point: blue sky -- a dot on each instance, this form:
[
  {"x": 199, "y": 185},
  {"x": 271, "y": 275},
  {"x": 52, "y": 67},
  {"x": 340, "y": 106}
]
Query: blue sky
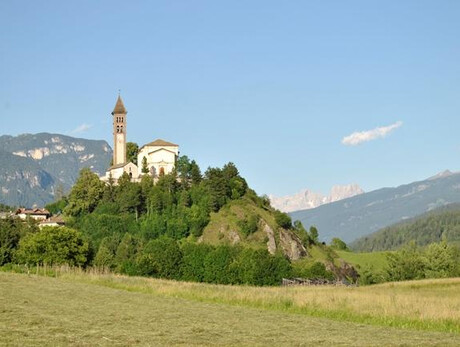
[{"x": 274, "y": 86}]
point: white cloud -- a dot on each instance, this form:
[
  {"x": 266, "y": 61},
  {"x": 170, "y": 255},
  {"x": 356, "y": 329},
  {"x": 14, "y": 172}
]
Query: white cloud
[
  {"x": 81, "y": 128},
  {"x": 369, "y": 135}
]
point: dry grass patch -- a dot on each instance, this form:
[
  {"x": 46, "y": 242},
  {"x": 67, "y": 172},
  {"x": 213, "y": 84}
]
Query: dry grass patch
[{"x": 424, "y": 305}]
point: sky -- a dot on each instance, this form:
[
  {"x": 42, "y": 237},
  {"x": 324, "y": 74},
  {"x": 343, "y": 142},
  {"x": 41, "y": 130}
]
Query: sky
[{"x": 298, "y": 94}]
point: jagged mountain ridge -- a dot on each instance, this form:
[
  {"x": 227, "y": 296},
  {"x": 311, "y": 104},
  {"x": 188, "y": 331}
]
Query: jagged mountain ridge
[
  {"x": 33, "y": 166},
  {"x": 306, "y": 199},
  {"x": 364, "y": 214}
]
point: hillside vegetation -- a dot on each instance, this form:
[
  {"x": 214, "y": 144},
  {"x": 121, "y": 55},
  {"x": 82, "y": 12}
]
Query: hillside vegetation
[
  {"x": 435, "y": 226},
  {"x": 117, "y": 310},
  {"x": 190, "y": 226}
]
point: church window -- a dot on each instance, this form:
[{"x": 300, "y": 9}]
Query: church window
[{"x": 118, "y": 129}]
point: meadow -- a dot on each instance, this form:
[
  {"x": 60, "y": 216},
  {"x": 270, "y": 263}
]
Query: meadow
[{"x": 79, "y": 308}]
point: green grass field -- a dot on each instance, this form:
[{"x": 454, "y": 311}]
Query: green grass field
[
  {"x": 84, "y": 309},
  {"x": 374, "y": 260}
]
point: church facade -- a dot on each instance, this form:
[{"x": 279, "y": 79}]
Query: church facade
[{"x": 156, "y": 158}]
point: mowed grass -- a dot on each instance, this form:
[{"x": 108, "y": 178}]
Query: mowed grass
[{"x": 85, "y": 309}]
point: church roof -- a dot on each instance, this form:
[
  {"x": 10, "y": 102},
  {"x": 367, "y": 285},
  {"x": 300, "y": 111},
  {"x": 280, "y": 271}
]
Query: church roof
[
  {"x": 119, "y": 107},
  {"x": 161, "y": 142}
]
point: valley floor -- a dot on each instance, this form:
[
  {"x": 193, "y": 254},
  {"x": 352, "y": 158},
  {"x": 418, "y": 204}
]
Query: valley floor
[{"x": 37, "y": 310}]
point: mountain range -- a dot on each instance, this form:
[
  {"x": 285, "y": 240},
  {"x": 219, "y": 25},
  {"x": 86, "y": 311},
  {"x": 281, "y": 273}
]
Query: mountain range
[
  {"x": 366, "y": 213},
  {"x": 36, "y": 167},
  {"x": 307, "y": 199}
]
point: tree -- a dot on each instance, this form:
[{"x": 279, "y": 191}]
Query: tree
[
  {"x": 338, "y": 244},
  {"x": 104, "y": 257},
  {"x": 193, "y": 261},
  {"x": 217, "y": 264},
  {"x": 145, "y": 168},
  {"x": 85, "y": 194},
  {"x": 300, "y": 231},
  {"x": 132, "y": 149},
  {"x": 53, "y": 246},
  {"x": 406, "y": 264},
  {"x": 440, "y": 260},
  {"x": 314, "y": 234},
  {"x": 195, "y": 173},
  {"x": 283, "y": 220},
  {"x": 11, "y": 231},
  {"x": 126, "y": 255},
  {"x": 161, "y": 258}
]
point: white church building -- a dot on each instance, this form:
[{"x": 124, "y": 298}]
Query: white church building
[{"x": 160, "y": 156}]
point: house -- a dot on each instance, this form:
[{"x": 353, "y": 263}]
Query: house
[
  {"x": 35, "y": 213},
  {"x": 55, "y": 221}
]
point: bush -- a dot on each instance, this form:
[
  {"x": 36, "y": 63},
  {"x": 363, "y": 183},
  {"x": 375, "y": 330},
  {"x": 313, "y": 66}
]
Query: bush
[
  {"x": 283, "y": 220},
  {"x": 249, "y": 225},
  {"x": 161, "y": 258},
  {"x": 53, "y": 246}
]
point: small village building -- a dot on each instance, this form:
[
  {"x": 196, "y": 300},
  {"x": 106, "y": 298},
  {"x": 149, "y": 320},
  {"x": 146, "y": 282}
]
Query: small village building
[
  {"x": 55, "y": 221},
  {"x": 160, "y": 155},
  {"x": 35, "y": 213}
]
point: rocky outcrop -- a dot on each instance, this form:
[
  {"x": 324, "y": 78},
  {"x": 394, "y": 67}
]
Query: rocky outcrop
[
  {"x": 291, "y": 245},
  {"x": 271, "y": 243},
  {"x": 344, "y": 272}
]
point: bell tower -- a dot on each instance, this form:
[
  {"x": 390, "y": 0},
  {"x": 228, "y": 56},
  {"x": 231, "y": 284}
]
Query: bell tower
[{"x": 119, "y": 132}]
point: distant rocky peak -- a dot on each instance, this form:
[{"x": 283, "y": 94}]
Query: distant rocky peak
[{"x": 307, "y": 199}]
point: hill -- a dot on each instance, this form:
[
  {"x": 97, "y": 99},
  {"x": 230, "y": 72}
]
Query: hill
[
  {"x": 91, "y": 309},
  {"x": 36, "y": 167},
  {"x": 231, "y": 225},
  {"x": 364, "y": 214},
  {"x": 440, "y": 224}
]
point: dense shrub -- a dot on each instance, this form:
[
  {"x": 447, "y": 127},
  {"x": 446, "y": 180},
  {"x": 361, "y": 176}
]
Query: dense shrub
[{"x": 53, "y": 246}]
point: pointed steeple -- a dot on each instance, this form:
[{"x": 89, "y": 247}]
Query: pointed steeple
[{"x": 119, "y": 107}]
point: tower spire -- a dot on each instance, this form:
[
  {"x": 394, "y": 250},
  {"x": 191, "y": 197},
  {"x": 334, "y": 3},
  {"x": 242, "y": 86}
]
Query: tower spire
[{"x": 119, "y": 106}]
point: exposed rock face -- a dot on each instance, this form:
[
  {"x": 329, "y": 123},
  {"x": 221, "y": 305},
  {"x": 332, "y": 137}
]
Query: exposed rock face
[
  {"x": 33, "y": 166},
  {"x": 307, "y": 199},
  {"x": 234, "y": 237},
  {"x": 271, "y": 243},
  {"x": 344, "y": 272},
  {"x": 291, "y": 245}
]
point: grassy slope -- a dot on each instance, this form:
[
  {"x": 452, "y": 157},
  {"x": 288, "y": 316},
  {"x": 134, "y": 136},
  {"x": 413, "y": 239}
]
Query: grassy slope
[
  {"x": 110, "y": 310},
  {"x": 375, "y": 260},
  {"x": 225, "y": 223}
]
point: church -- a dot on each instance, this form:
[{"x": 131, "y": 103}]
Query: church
[{"x": 156, "y": 158}]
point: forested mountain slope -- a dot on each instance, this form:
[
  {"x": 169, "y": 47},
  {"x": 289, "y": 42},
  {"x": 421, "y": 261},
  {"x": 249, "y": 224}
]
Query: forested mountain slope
[{"x": 434, "y": 226}]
